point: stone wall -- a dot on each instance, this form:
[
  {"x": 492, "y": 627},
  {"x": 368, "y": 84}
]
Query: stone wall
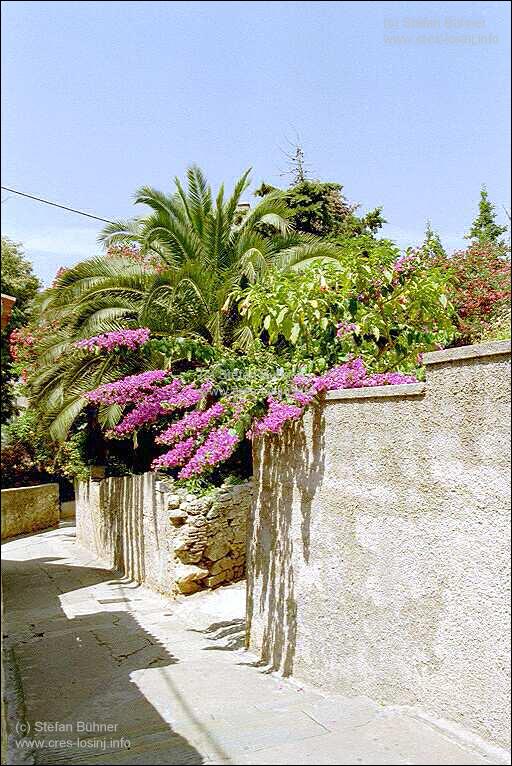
[
  {"x": 166, "y": 538},
  {"x": 29, "y": 509},
  {"x": 379, "y": 544},
  {"x": 211, "y": 536}
]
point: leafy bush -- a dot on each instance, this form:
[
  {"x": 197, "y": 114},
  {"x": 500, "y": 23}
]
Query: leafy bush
[
  {"x": 499, "y": 326},
  {"x": 479, "y": 289},
  {"x": 30, "y": 457},
  {"x": 373, "y": 303},
  {"x": 19, "y": 281},
  {"x": 320, "y": 208},
  {"x": 230, "y": 401},
  {"x": 19, "y": 469},
  {"x": 171, "y": 271}
]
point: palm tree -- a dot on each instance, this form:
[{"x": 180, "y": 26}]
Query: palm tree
[
  {"x": 96, "y": 296},
  {"x": 200, "y": 250},
  {"x": 208, "y": 249}
]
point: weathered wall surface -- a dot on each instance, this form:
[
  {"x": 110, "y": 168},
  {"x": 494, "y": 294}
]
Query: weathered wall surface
[
  {"x": 67, "y": 510},
  {"x": 378, "y": 560},
  {"x": 163, "y": 537},
  {"x": 29, "y": 509}
]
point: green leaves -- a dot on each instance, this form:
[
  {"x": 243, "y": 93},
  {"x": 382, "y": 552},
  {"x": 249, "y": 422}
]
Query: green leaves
[
  {"x": 281, "y": 316},
  {"x": 295, "y": 332},
  {"x": 391, "y": 315}
]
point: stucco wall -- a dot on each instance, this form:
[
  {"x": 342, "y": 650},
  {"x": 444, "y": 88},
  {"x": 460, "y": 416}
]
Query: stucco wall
[
  {"x": 164, "y": 537},
  {"x": 29, "y": 509},
  {"x": 379, "y": 546}
]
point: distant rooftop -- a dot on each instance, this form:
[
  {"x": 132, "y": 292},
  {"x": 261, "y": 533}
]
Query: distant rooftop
[{"x": 7, "y": 303}]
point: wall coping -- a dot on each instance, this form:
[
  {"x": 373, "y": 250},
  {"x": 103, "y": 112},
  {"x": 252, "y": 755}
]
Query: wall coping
[
  {"x": 30, "y": 486},
  {"x": 494, "y": 348},
  {"x": 377, "y": 392}
]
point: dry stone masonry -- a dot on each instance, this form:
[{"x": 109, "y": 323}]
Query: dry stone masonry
[{"x": 209, "y": 545}]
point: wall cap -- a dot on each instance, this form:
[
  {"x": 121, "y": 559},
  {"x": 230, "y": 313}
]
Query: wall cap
[
  {"x": 30, "y": 486},
  {"x": 494, "y": 348},
  {"x": 377, "y": 392}
]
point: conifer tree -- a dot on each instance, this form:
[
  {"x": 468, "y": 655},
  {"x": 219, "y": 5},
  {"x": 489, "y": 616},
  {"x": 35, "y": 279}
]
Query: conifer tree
[
  {"x": 484, "y": 228},
  {"x": 432, "y": 242}
]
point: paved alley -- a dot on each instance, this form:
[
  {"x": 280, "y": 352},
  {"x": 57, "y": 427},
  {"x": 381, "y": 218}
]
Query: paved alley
[{"x": 102, "y": 671}]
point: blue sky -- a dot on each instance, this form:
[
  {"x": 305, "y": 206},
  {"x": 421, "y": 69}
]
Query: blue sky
[{"x": 102, "y": 97}]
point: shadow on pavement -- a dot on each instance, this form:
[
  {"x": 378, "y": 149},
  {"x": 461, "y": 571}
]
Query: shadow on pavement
[{"x": 79, "y": 669}]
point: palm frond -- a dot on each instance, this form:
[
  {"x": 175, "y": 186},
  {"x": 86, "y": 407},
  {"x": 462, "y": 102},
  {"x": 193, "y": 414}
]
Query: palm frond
[
  {"x": 241, "y": 185},
  {"x": 297, "y": 255},
  {"x": 272, "y": 210},
  {"x": 199, "y": 198}
]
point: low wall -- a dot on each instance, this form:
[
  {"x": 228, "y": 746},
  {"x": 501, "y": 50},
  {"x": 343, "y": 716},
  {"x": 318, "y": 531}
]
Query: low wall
[
  {"x": 29, "y": 509},
  {"x": 67, "y": 510},
  {"x": 379, "y": 543},
  {"x": 168, "y": 539}
]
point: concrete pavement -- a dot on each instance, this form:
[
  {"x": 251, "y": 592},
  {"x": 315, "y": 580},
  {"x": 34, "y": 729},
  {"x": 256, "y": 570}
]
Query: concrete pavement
[{"x": 111, "y": 673}]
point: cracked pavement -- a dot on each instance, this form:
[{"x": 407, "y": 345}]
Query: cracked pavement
[{"x": 171, "y": 679}]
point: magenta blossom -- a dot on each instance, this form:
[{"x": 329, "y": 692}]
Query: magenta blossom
[
  {"x": 192, "y": 423},
  {"x": 345, "y": 328},
  {"x": 303, "y": 380},
  {"x": 278, "y": 414},
  {"x": 171, "y": 397},
  {"x": 348, "y": 375},
  {"x": 131, "y": 339},
  {"x": 129, "y": 390},
  {"x": 176, "y": 456},
  {"x": 219, "y": 445},
  {"x": 405, "y": 262},
  {"x": 187, "y": 396},
  {"x": 352, "y": 374}
]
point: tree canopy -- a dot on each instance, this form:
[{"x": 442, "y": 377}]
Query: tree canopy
[{"x": 320, "y": 208}]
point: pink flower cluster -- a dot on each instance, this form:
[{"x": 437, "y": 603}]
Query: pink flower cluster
[
  {"x": 188, "y": 396},
  {"x": 348, "y": 375},
  {"x": 345, "y": 328},
  {"x": 170, "y": 397},
  {"x": 196, "y": 448},
  {"x": 192, "y": 423},
  {"x": 404, "y": 262},
  {"x": 129, "y": 390},
  {"x": 278, "y": 414},
  {"x": 352, "y": 374},
  {"x": 176, "y": 456},
  {"x": 131, "y": 339},
  {"x": 218, "y": 446}
]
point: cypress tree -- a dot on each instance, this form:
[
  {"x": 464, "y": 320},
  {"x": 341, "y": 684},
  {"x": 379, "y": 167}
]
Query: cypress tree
[
  {"x": 432, "y": 243},
  {"x": 484, "y": 228}
]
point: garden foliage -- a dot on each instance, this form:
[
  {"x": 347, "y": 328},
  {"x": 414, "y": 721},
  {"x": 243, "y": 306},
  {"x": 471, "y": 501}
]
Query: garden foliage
[
  {"x": 205, "y": 326},
  {"x": 19, "y": 281}
]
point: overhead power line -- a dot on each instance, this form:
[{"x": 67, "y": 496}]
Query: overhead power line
[{"x": 55, "y": 204}]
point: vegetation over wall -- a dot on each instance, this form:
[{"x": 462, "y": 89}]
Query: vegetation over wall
[{"x": 204, "y": 325}]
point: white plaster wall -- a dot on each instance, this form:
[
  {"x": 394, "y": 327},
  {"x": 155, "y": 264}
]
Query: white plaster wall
[
  {"x": 125, "y": 522},
  {"x": 379, "y": 547}
]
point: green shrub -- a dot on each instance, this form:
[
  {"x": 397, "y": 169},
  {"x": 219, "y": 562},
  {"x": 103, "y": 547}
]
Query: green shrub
[{"x": 374, "y": 304}]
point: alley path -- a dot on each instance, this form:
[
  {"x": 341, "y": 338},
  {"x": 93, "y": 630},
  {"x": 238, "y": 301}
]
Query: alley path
[{"x": 171, "y": 678}]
